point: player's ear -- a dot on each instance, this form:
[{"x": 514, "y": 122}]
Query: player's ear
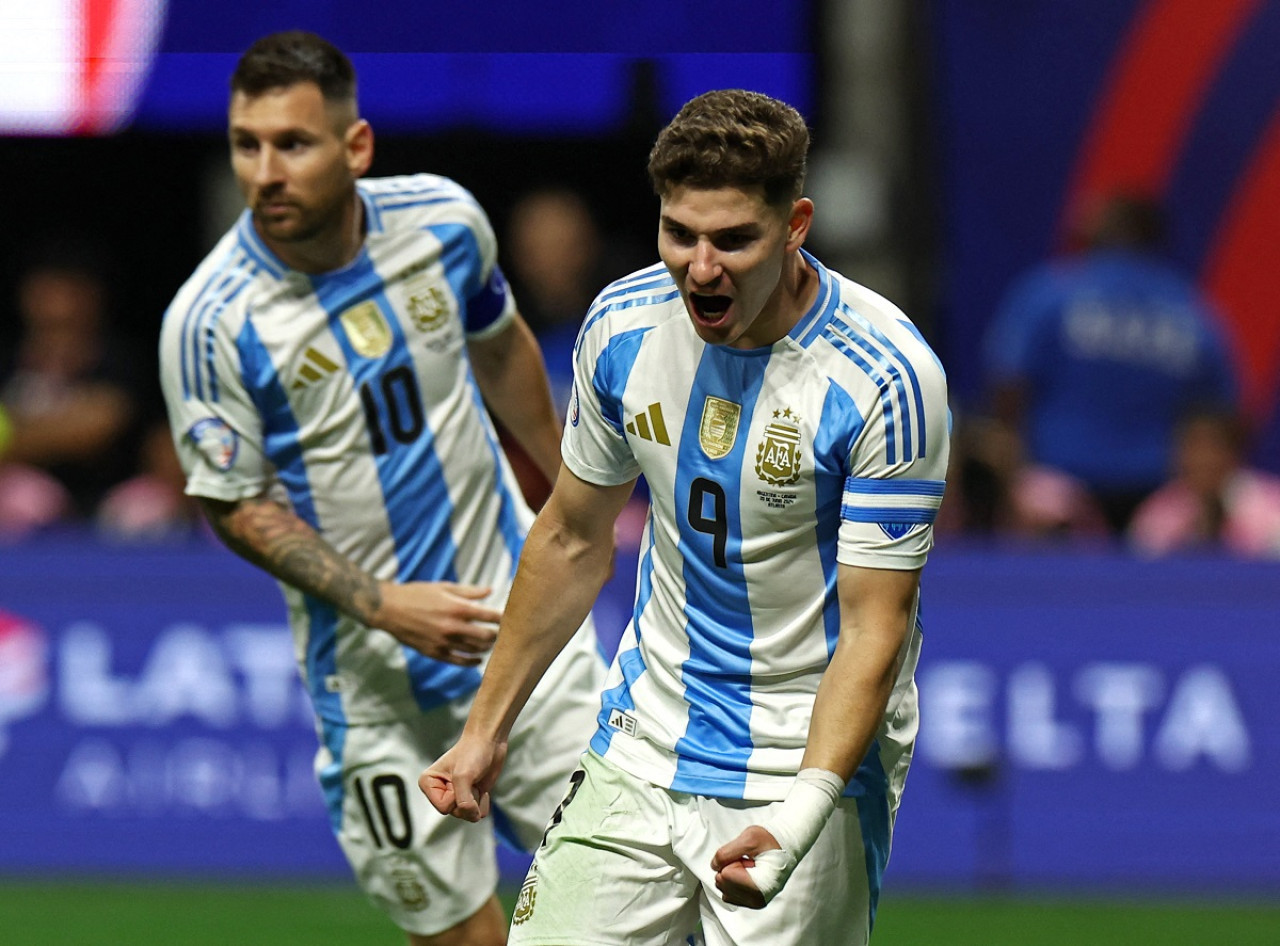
[
  {"x": 358, "y": 141},
  {"x": 799, "y": 222}
]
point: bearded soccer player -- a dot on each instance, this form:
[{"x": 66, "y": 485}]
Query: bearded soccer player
[
  {"x": 326, "y": 369},
  {"x": 759, "y": 717}
]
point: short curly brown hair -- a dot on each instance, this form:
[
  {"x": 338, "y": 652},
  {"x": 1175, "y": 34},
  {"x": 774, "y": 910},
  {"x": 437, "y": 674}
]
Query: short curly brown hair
[{"x": 733, "y": 138}]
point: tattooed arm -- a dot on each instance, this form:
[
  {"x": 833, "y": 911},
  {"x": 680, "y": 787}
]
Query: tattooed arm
[{"x": 440, "y": 619}]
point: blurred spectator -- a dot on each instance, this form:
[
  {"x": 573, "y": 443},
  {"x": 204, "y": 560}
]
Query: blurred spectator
[
  {"x": 558, "y": 261},
  {"x": 556, "y": 268},
  {"x": 152, "y": 505},
  {"x": 66, "y": 388},
  {"x": 1214, "y": 500},
  {"x": 1092, "y": 359}
]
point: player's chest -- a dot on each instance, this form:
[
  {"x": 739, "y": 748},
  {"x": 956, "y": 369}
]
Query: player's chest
[
  {"x": 361, "y": 336},
  {"x": 750, "y": 429}
]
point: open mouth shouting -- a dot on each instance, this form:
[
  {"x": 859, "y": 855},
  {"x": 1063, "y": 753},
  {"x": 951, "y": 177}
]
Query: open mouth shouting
[{"x": 709, "y": 309}]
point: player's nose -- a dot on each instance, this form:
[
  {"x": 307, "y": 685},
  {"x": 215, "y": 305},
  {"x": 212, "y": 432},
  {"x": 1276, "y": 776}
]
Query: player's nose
[{"x": 704, "y": 266}]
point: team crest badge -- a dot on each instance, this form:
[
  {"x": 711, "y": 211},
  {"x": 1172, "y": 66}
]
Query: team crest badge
[
  {"x": 778, "y": 454},
  {"x": 410, "y": 890},
  {"x": 217, "y": 442},
  {"x": 427, "y": 307},
  {"x": 896, "y": 530},
  {"x": 367, "y": 329},
  {"x": 719, "y": 428},
  {"x": 526, "y": 901}
]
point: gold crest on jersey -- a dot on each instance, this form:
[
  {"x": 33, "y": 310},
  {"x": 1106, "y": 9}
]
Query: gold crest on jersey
[
  {"x": 427, "y": 307},
  {"x": 778, "y": 453},
  {"x": 719, "y": 428},
  {"x": 526, "y": 901},
  {"x": 367, "y": 329},
  {"x": 412, "y": 894}
]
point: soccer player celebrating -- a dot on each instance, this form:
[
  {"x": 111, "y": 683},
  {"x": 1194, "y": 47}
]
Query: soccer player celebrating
[
  {"x": 760, "y": 714},
  {"x": 324, "y": 370}
]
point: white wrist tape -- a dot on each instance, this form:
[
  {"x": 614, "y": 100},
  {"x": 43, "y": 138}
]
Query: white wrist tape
[{"x": 795, "y": 825}]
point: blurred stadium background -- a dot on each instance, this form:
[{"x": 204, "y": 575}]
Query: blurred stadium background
[{"x": 1099, "y": 761}]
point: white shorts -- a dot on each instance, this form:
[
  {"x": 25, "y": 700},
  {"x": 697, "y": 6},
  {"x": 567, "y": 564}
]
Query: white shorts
[
  {"x": 627, "y": 863},
  {"x": 429, "y": 872}
]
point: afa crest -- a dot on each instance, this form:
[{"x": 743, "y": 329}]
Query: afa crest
[
  {"x": 527, "y": 900},
  {"x": 412, "y": 894},
  {"x": 778, "y": 454},
  {"x": 428, "y": 307}
]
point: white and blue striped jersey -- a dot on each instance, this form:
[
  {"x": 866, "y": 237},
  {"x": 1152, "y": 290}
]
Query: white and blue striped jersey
[
  {"x": 766, "y": 469},
  {"x": 353, "y": 391}
]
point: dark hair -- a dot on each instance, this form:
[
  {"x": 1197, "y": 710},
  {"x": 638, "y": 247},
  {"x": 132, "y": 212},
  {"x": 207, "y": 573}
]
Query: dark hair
[
  {"x": 733, "y": 138},
  {"x": 284, "y": 59},
  {"x": 1129, "y": 221}
]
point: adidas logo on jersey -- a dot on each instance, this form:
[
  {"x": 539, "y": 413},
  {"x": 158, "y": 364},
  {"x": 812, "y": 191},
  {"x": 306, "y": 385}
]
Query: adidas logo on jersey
[
  {"x": 623, "y": 722},
  {"x": 649, "y": 425},
  {"x": 314, "y": 367}
]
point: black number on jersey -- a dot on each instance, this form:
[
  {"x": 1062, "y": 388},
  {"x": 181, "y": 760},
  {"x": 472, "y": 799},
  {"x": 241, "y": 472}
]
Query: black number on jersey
[
  {"x": 717, "y": 524},
  {"x": 400, "y": 403},
  {"x": 575, "y": 782},
  {"x": 393, "y": 816}
]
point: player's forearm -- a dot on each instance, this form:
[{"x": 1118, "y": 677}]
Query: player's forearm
[
  {"x": 557, "y": 582},
  {"x": 848, "y": 711},
  {"x": 877, "y": 607},
  {"x": 276, "y": 540},
  {"x": 513, "y": 381}
]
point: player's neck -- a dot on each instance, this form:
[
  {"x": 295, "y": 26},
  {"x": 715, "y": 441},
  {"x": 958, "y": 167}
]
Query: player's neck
[
  {"x": 797, "y": 290},
  {"x": 332, "y": 248}
]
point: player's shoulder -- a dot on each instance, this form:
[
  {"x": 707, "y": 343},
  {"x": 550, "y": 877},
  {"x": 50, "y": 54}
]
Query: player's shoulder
[
  {"x": 222, "y": 283},
  {"x": 869, "y": 334},
  {"x": 415, "y": 200},
  {"x": 641, "y": 299}
]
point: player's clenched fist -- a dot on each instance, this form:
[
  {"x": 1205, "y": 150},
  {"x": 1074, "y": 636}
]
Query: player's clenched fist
[{"x": 459, "y": 782}]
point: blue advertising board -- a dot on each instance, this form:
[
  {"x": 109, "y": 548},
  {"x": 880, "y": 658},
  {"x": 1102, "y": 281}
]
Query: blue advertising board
[{"x": 1087, "y": 721}]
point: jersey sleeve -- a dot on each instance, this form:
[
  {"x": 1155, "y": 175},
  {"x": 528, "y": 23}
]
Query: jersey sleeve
[
  {"x": 897, "y": 472},
  {"x": 594, "y": 445},
  {"x": 488, "y": 301},
  {"x": 215, "y": 426}
]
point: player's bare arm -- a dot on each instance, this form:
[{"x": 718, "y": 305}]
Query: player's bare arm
[
  {"x": 440, "y": 619},
  {"x": 876, "y": 606},
  {"x": 512, "y": 378},
  {"x": 573, "y": 535}
]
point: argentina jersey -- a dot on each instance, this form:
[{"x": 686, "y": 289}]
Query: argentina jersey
[
  {"x": 352, "y": 391},
  {"x": 767, "y": 470}
]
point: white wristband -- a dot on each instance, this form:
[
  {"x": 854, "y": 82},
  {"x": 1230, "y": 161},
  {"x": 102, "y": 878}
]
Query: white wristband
[{"x": 795, "y": 825}]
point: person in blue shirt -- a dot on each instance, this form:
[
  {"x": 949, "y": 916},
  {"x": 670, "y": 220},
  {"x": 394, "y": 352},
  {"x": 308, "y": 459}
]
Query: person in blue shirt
[{"x": 1093, "y": 358}]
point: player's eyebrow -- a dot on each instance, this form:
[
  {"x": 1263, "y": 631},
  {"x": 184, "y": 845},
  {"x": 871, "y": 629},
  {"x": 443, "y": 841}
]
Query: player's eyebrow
[{"x": 745, "y": 228}]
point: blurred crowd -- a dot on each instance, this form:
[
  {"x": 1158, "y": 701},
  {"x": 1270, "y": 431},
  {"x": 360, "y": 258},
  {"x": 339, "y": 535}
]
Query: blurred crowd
[
  {"x": 1110, "y": 417},
  {"x": 82, "y": 436},
  {"x": 1112, "y": 406}
]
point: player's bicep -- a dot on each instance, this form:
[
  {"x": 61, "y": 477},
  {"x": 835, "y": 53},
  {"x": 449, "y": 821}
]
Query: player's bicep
[
  {"x": 877, "y": 601},
  {"x": 584, "y": 512}
]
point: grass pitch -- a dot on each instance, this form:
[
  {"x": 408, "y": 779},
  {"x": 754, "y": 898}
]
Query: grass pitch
[{"x": 135, "y": 914}]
